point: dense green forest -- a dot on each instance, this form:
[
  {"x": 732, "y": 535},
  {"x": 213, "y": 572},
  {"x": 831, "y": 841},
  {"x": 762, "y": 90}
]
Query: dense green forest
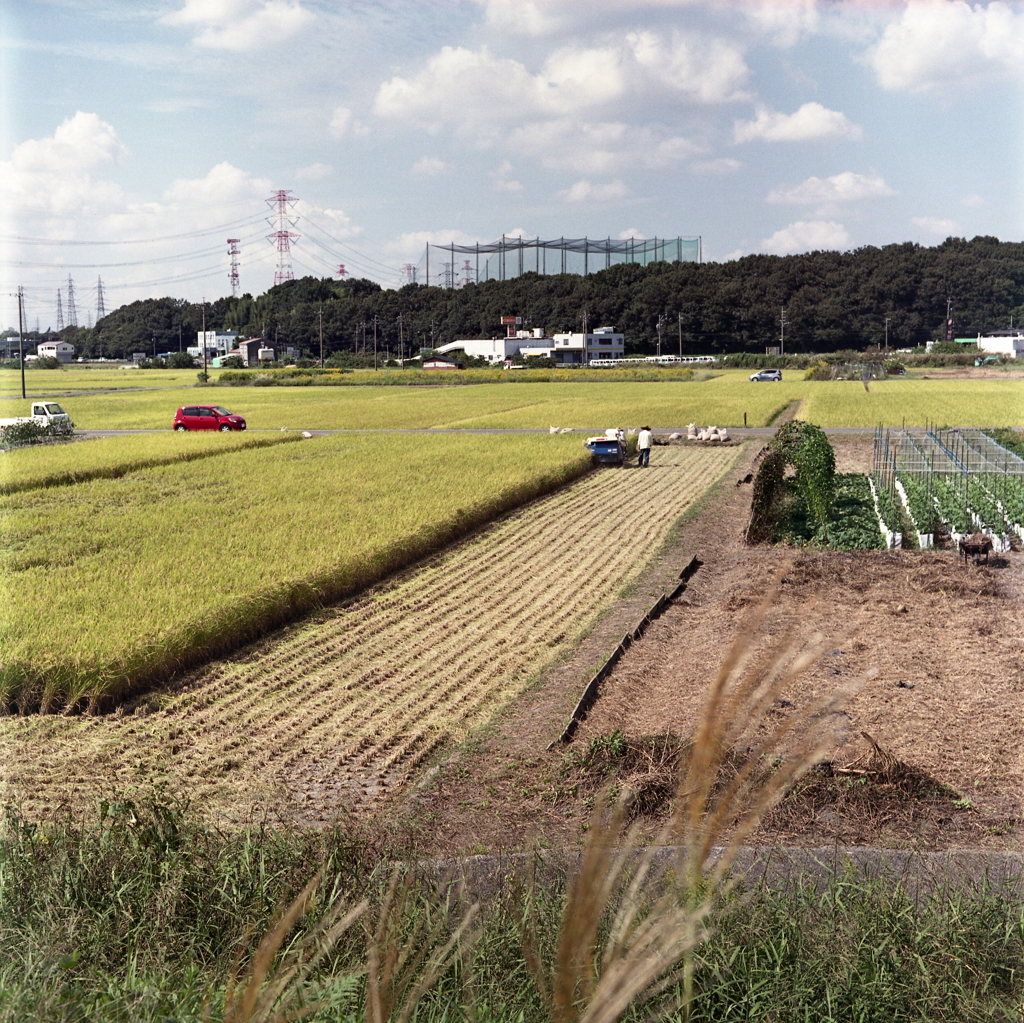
[{"x": 832, "y": 301}]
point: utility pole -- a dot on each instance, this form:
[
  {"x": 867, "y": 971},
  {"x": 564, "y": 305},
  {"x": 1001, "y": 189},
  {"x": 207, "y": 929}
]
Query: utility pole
[
  {"x": 320, "y": 313},
  {"x": 680, "y": 315},
  {"x": 375, "y": 342},
  {"x": 887, "y": 334},
  {"x": 21, "y": 342},
  {"x": 586, "y": 337},
  {"x": 661, "y": 316},
  {"x": 782, "y": 335},
  {"x": 401, "y": 344},
  {"x": 204, "y": 339}
]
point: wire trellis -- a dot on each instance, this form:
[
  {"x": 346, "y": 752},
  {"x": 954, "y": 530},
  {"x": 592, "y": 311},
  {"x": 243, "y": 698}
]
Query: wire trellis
[{"x": 960, "y": 479}]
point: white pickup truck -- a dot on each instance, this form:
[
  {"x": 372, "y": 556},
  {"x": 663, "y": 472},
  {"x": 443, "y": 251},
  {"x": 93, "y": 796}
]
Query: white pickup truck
[{"x": 45, "y": 413}]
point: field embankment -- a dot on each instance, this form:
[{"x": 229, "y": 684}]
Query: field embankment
[{"x": 167, "y": 566}]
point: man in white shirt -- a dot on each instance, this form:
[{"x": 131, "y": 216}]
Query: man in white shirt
[{"x": 643, "y": 446}]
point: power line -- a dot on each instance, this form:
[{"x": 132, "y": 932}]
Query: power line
[
  {"x": 133, "y": 241},
  {"x": 338, "y": 241},
  {"x": 177, "y": 257}
]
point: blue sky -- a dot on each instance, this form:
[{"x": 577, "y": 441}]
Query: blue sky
[{"x": 136, "y": 138}]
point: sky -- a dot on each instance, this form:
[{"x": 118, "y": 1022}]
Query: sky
[{"x": 137, "y": 137}]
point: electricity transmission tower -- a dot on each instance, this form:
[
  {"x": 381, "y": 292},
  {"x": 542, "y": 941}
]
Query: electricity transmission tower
[
  {"x": 282, "y": 237},
  {"x": 72, "y": 312}
]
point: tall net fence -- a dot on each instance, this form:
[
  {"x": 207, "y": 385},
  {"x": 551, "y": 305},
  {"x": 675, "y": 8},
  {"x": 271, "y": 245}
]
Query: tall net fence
[{"x": 453, "y": 266}]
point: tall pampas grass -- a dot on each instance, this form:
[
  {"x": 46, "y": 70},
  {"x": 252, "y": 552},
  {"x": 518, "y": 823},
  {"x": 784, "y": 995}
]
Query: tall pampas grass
[
  {"x": 634, "y": 912},
  {"x": 274, "y": 987},
  {"x": 633, "y": 917}
]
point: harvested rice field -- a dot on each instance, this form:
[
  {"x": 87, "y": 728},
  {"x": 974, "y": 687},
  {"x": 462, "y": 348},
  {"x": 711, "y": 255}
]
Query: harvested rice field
[
  {"x": 927, "y": 647},
  {"x": 340, "y": 713}
]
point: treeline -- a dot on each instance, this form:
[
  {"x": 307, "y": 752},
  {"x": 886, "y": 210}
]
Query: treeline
[{"x": 832, "y": 301}]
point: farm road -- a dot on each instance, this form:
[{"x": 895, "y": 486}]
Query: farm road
[{"x": 337, "y": 714}]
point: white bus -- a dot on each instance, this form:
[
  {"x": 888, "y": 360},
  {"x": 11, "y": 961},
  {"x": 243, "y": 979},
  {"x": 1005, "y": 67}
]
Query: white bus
[{"x": 653, "y": 360}]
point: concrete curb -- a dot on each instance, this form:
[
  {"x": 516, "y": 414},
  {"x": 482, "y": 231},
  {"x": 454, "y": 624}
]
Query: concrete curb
[{"x": 775, "y": 868}]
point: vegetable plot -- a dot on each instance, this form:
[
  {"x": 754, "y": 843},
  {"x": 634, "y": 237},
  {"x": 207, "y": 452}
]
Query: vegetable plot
[{"x": 960, "y": 481}]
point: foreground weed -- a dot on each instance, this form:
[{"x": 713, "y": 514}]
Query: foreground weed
[
  {"x": 619, "y": 945},
  {"x": 274, "y": 990},
  {"x": 408, "y": 950}
]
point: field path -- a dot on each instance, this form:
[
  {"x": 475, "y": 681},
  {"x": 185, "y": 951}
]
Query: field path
[{"x": 340, "y": 712}]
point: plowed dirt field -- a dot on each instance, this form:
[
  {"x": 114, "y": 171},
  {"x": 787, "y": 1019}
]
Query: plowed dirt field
[{"x": 336, "y": 715}]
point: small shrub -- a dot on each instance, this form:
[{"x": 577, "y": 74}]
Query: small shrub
[{"x": 21, "y": 434}]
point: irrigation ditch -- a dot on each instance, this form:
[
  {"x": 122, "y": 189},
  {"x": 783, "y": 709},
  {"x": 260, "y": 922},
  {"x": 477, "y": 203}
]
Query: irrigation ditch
[{"x": 592, "y": 689}]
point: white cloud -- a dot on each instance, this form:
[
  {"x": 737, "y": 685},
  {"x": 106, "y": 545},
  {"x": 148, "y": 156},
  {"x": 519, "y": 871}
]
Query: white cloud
[
  {"x": 53, "y": 175},
  {"x": 342, "y": 123},
  {"x": 631, "y": 232},
  {"x": 412, "y": 242},
  {"x": 811, "y": 121},
  {"x": 502, "y": 179},
  {"x": 807, "y": 236},
  {"x": 707, "y": 70},
  {"x": 241, "y": 25},
  {"x": 430, "y": 167},
  {"x": 845, "y": 187},
  {"x": 785, "y": 24},
  {"x": 601, "y": 147},
  {"x": 314, "y": 172},
  {"x": 974, "y": 201},
  {"x": 720, "y": 165},
  {"x": 478, "y": 90},
  {"x": 222, "y": 184},
  {"x": 935, "y": 225},
  {"x": 585, "y": 191},
  {"x": 338, "y": 222},
  {"x": 80, "y": 143},
  {"x": 941, "y": 43},
  {"x": 522, "y": 17}
]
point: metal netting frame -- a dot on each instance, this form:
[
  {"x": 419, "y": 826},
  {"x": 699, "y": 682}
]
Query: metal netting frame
[
  {"x": 962, "y": 457},
  {"x": 606, "y": 252}
]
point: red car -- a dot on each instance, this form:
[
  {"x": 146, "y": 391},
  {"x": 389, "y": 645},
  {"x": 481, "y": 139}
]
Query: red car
[{"x": 207, "y": 417}]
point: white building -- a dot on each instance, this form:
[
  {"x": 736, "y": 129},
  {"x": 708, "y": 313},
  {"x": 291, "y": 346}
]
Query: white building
[
  {"x": 567, "y": 349},
  {"x": 217, "y": 342},
  {"x": 497, "y": 349},
  {"x": 603, "y": 343},
  {"x": 56, "y": 350},
  {"x": 1008, "y": 343}
]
